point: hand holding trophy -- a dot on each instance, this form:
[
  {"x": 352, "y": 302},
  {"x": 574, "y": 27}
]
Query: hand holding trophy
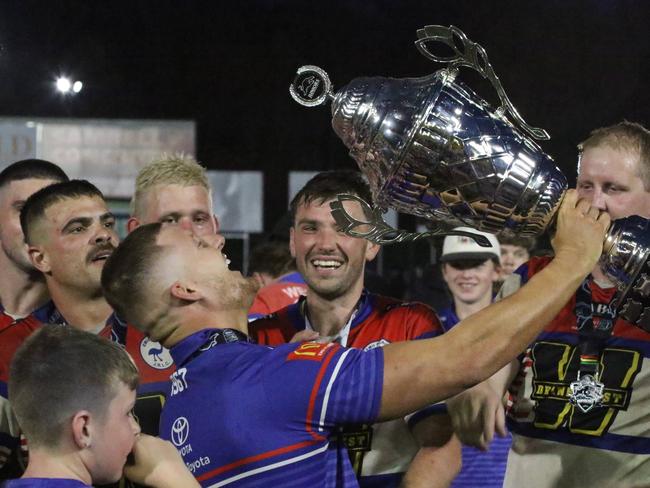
[{"x": 431, "y": 147}]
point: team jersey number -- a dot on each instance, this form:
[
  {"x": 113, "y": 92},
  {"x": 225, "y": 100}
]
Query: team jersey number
[
  {"x": 179, "y": 384},
  {"x": 555, "y": 366}
]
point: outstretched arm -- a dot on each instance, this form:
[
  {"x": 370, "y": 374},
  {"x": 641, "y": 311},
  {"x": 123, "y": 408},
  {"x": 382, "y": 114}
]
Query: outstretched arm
[{"x": 421, "y": 372}]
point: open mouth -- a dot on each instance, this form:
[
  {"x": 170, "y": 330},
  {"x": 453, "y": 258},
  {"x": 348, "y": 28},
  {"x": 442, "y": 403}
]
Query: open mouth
[
  {"x": 326, "y": 263},
  {"x": 101, "y": 256}
]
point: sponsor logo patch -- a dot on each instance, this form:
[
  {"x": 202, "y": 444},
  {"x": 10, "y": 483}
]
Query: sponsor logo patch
[
  {"x": 155, "y": 355},
  {"x": 180, "y": 431},
  {"x": 311, "y": 351}
]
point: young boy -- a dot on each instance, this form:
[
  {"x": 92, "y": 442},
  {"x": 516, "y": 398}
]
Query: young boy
[{"x": 73, "y": 394}]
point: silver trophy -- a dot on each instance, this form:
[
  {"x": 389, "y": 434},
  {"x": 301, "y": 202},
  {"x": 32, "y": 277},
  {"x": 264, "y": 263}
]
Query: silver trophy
[{"x": 431, "y": 147}]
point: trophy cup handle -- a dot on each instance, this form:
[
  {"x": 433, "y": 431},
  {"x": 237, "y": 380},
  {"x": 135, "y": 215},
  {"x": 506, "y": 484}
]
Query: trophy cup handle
[
  {"x": 472, "y": 55},
  {"x": 378, "y": 231}
]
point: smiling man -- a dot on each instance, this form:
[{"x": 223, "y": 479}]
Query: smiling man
[
  {"x": 337, "y": 308},
  {"x": 470, "y": 272},
  {"x": 247, "y": 414}
]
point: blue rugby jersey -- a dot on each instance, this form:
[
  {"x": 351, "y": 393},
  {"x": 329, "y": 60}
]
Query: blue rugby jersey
[
  {"x": 380, "y": 453},
  {"x": 242, "y": 414},
  {"x": 44, "y": 483},
  {"x": 479, "y": 468}
]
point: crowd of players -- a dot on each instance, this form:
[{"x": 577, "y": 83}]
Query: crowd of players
[{"x": 356, "y": 388}]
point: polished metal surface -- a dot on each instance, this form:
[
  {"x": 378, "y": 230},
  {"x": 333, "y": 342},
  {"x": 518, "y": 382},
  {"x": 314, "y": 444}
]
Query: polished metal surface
[
  {"x": 431, "y": 147},
  {"x": 625, "y": 262}
]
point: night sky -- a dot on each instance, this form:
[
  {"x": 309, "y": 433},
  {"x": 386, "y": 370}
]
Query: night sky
[{"x": 567, "y": 66}]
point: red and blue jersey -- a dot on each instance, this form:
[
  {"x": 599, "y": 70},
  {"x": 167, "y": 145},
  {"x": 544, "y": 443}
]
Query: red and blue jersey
[
  {"x": 378, "y": 321},
  {"x": 275, "y": 296},
  {"x": 243, "y": 414},
  {"x": 611, "y": 442},
  {"x": 380, "y": 453},
  {"x": 13, "y": 333}
]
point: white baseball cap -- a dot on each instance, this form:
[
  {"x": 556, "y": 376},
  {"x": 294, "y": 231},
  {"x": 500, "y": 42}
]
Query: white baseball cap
[{"x": 456, "y": 248}]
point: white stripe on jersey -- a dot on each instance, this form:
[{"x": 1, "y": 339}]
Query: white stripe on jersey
[
  {"x": 271, "y": 466},
  {"x": 321, "y": 422}
]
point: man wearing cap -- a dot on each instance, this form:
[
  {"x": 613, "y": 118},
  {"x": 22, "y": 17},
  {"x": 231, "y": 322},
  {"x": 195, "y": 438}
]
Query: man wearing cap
[{"x": 470, "y": 272}]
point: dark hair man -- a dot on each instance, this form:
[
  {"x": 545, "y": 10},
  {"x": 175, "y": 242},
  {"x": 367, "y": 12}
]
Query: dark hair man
[
  {"x": 549, "y": 432},
  {"x": 70, "y": 233},
  {"x": 338, "y": 308},
  {"x": 241, "y": 411},
  {"x": 22, "y": 288},
  {"x": 74, "y": 393}
]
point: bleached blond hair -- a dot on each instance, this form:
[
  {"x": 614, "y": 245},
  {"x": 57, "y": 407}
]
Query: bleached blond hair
[{"x": 169, "y": 169}]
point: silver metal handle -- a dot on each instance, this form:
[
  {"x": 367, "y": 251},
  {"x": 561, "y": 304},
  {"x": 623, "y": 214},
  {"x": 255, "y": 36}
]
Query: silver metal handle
[
  {"x": 472, "y": 55},
  {"x": 376, "y": 230}
]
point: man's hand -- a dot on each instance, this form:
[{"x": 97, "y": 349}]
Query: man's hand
[
  {"x": 476, "y": 414},
  {"x": 305, "y": 336},
  {"x": 158, "y": 464},
  {"x": 580, "y": 232}
]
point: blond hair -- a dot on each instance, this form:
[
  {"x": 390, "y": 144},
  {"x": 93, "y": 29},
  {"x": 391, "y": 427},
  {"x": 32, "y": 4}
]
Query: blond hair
[
  {"x": 169, "y": 169},
  {"x": 624, "y": 136}
]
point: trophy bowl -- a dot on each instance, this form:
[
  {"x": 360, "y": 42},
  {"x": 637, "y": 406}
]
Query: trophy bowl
[{"x": 431, "y": 147}]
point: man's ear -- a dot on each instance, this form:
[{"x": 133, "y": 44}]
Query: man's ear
[
  {"x": 132, "y": 224},
  {"x": 185, "y": 291},
  {"x": 371, "y": 250},
  {"x": 39, "y": 258},
  {"x": 82, "y": 430},
  {"x": 292, "y": 244}
]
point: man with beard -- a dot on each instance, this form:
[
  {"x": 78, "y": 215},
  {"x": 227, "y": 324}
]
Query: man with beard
[
  {"x": 557, "y": 442},
  {"x": 249, "y": 414},
  {"x": 70, "y": 233},
  {"x": 22, "y": 288},
  {"x": 337, "y": 308}
]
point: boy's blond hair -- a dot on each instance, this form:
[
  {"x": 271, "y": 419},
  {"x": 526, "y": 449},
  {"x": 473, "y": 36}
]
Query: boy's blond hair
[{"x": 169, "y": 169}]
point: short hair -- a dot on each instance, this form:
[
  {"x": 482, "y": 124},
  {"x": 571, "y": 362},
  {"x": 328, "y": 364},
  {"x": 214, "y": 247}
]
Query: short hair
[
  {"x": 59, "y": 371},
  {"x": 512, "y": 239},
  {"x": 625, "y": 135},
  {"x": 36, "y": 205},
  {"x": 327, "y": 185},
  {"x": 174, "y": 169},
  {"x": 31, "y": 169},
  {"x": 127, "y": 271},
  {"x": 273, "y": 258}
]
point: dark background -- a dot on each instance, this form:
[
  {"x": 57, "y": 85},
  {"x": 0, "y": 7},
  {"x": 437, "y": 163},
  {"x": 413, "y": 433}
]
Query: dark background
[{"x": 568, "y": 66}]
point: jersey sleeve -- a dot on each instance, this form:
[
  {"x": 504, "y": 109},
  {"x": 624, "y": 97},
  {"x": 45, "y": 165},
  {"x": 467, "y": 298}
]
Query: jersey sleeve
[
  {"x": 424, "y": 322},
  {"x": 322, "y": 385}
]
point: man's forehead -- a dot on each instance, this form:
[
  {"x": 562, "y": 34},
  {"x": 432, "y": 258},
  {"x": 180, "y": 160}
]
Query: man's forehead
[
  {"x": 72, "y": 207},
  {"x": 22, "y": 189}
]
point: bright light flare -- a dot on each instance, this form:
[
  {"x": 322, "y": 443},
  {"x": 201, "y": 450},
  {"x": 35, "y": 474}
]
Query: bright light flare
[
  {"x": 63, "y": 84},
  {"x": 77, "y": 86}
]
